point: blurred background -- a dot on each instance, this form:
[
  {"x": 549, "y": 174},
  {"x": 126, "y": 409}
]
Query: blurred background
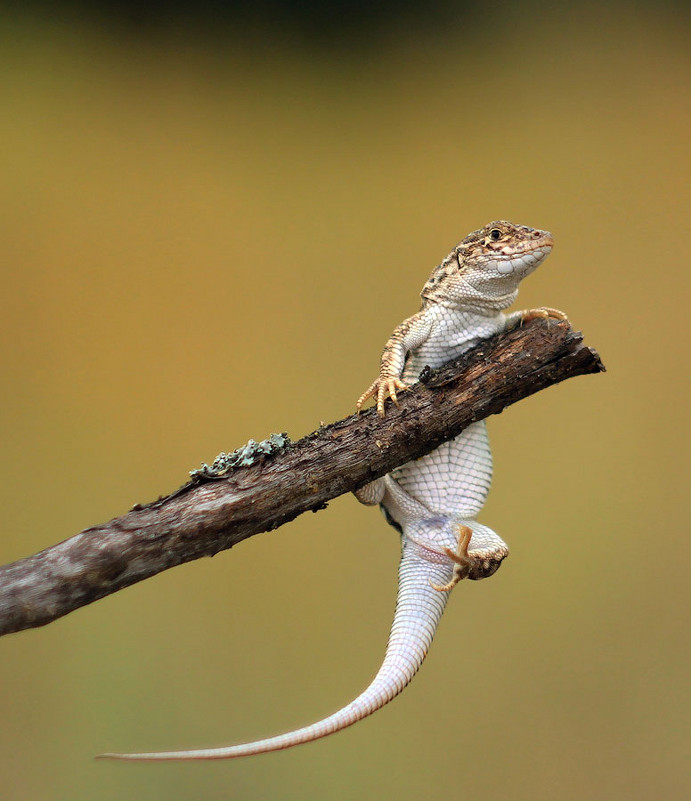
[{"x": 211, "y": 222}]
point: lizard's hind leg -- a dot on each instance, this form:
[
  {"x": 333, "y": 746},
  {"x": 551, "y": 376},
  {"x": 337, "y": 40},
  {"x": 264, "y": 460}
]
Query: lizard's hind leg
[{"x": 478, "y": 553}]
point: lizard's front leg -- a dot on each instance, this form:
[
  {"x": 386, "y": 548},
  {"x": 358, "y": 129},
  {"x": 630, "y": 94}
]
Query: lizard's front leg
[
  {"x": 541, "y": 313},
  {"x": 409, "y": 335}
]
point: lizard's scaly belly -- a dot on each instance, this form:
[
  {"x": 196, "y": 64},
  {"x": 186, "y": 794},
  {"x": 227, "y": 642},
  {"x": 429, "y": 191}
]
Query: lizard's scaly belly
[{"x": 455, "y": 478}]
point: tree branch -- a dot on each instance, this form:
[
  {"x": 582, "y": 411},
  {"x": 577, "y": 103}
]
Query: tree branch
[{"x": 205, "y": 517}]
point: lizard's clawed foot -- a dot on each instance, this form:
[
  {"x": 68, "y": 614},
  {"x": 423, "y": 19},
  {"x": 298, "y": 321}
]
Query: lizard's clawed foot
[
  {"x": 382, "y": 388},
  {"x": 460, "y": 557},
  {"x": 474, "y": 567},
  {"x": 543, "y": 313}
]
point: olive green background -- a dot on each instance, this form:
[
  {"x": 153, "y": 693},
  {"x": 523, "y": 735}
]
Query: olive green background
[{"x": 203, "y": 243}]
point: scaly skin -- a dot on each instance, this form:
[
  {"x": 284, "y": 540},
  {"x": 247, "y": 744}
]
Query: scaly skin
[{"x": 434, "y": 500}]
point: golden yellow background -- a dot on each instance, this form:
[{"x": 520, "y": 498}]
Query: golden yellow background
[{"x": 203, "y": 243}]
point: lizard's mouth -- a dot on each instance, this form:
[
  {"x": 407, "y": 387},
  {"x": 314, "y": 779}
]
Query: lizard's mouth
[{"x": 521, "y": 262}]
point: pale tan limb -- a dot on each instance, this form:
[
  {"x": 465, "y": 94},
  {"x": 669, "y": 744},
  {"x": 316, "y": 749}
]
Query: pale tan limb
[
  {"x": 544, "y": 313},
  {"x": 410, "y": 334},
  {"x": 460, "y": 557}
]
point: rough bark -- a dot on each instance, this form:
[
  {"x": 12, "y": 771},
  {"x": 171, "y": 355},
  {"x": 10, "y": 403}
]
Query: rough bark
[{"x": 201, "y": 519}]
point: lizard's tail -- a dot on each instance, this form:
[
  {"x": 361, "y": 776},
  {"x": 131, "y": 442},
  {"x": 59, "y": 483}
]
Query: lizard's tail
[{"x": 418, "y": 610}]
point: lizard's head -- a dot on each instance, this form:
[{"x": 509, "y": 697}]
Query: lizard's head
[
  {"x": 487, "y": 266},
  {"x": 505, "y": 249}
]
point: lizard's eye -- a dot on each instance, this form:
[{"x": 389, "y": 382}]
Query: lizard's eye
[{"x": 495, "y": 234}]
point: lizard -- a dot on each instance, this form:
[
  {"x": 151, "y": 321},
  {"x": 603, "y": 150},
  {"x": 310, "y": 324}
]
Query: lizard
[{"x": 432, "y": 501}]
